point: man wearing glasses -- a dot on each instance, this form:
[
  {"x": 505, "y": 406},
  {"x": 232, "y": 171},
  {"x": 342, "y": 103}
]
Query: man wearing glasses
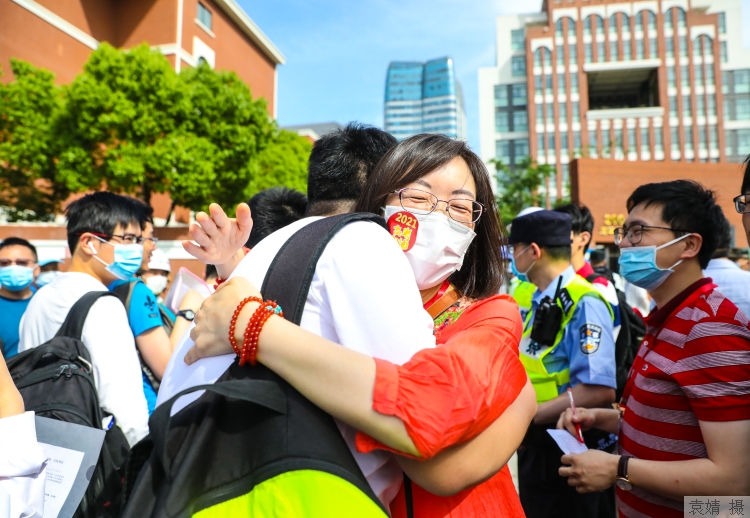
[
  {"x": 18, "y": 269},
  {"x": 105, "y": 240},
  {"x": 684, "y": 417}
]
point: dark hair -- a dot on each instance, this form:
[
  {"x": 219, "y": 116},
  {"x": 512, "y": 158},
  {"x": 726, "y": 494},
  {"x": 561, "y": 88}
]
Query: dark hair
[
  {"x": 100, "y": 212},
  {"x": 340, "y": 163},
  {"x": 146, "y": 210},
  {"x": 685, "y": 205},
  {"x": 211, "y": 271},
  {"x": 558, "y": 253},
  {"x": 273, "y": 209},
  {"x": 725, "y": 239},
  {"x": 597, "y": 256},
  {"x": 17, "y": 241},
  {"x": 482, "y": 272},
  {"x": 583, "y": 221}
]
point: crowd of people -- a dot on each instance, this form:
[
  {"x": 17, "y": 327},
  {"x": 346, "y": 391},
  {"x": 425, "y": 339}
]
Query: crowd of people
[{"x": 440, "y": 344}]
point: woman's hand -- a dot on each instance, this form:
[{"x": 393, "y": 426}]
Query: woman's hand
[
  {"x": 219, "y": 237},
  {"x": 211, "y": 331}
]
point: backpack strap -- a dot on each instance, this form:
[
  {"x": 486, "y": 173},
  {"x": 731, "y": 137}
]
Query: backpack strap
[
  {"x": 73, "y": 325},
  {"x": 286, "y": 282},
  {"x": 124, "y": 292}
]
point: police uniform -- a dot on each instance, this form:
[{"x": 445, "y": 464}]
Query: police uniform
[{"x": 583, "y": 351}]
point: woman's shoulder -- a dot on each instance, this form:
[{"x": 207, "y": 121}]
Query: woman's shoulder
[{"x": 499, "y": 311}]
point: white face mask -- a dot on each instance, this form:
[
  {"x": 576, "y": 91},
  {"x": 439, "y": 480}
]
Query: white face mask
[
  {"x": 439, "y": 247},
  {"x": 157, "y": 283}
]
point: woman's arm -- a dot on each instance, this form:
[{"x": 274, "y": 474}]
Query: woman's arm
[
  {"x": 11, "y": 402},
  {"x": 475, "y": 461}
]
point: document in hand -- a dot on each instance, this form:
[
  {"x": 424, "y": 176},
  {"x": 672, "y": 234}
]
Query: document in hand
[
  {"x": 184, "y": 281},
  {"x": 567, "y": 443},
  {"x": 73, "y": 451}
]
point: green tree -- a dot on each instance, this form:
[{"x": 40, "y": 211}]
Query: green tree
[
  {"x": 519, "y": 186},
  {"x": 28, "y": 190},
  {"x": 283, "y": 162}
]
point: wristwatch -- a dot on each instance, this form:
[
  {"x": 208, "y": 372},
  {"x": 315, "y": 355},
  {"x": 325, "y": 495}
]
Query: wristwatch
[
  {"x": 622, "y": 474},
  {"x": 187, "y": 314}
]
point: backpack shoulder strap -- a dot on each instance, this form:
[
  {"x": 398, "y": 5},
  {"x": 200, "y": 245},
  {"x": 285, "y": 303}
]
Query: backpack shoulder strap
[
  {"x": 124, "y": 292},
  {"x": 73, "y": 325},
  {"x": 287, "y": 282}
]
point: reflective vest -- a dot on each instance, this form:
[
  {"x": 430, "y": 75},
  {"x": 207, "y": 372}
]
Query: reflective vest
[
  {"x": 546, "y": 384},
  {"x": 522, "y": 293}
]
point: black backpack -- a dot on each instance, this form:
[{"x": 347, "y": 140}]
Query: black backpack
[
  {"x": 632, "y": 331},
  {"x": 55, "y": 380}
]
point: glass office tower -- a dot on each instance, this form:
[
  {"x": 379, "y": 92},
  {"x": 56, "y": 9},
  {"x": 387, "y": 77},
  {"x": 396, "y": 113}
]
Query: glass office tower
[{"x": 424, "y": 98}]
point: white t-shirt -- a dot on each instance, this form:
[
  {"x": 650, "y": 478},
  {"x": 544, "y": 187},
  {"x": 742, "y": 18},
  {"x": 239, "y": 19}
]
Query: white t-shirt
[
  {"x": 108, "y": 338},
  {"x": 363, "y": 296},
  {"x": 22, "y": 468}
]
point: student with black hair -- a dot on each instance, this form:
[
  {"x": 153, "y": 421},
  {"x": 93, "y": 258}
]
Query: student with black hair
[
  {"x": 18, "y": 269},
  {"x": 684, "y": 417},
  {"x": 273, "y": 209},
  {"x": 729, "y": 278},
  {"x": 105, "y": 239}
]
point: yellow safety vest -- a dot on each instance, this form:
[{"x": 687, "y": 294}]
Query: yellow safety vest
[
  {"x": 546, "y": 384},
  {"x": 522, "y": 293}
]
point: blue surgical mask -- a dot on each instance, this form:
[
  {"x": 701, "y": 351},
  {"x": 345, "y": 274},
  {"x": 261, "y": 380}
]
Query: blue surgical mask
[
  {"x": 522, "y": 276},
  {"x": 127, "y": 259},
  {"x": 638, "y": 265},
  {"x": 45, "y": 278},
  {"x": 16, "y": 278}
]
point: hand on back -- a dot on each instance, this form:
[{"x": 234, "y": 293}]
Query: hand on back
[{"x": 219, "y": 237}]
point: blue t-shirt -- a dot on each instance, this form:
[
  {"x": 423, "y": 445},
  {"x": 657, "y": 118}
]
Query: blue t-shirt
[
  {"x": 11, "y": 312},
  {"x": 143, "y": 316}
]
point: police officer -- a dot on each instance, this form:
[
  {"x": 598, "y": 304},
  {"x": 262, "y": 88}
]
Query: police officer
[{"x": 567, "y": 342}]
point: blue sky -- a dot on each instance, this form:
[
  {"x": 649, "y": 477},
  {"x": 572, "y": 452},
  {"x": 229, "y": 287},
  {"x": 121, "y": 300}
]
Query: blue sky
[{"x": 338, "y": 51}]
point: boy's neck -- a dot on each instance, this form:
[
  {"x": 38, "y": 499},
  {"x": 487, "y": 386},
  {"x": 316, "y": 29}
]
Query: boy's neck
[
  {"x": 81, "y": 265},
  {"x": 679, "y": 281}
]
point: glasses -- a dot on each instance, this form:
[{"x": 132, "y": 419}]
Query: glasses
[
  {"x": 18, "y": 262},
  {"x": 421, "y": 203},
  {"x": 634, "y": 233},
  {"x": 153, "y": 240},
  {"x": 741, "y": 203},
  {"x": 127, "y": 239}
]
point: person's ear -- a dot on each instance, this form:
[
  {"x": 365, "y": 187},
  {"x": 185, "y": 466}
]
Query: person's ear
[
  {"x": 536, "y": 251},
  {"x": 585, "y": 239},
  {"x": 86, "y": 244},
  {"x": 37, "y": 271},
  {"x": 693, "y": 244}
]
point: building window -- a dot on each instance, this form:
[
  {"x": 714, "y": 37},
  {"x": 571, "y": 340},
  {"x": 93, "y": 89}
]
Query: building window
[
  {"x": 710, "y": 78},
  {"x": 548, "y": 85},
  {"x": 676, "y": 139},
  {"x": 502, "y": 151},
  {"x": 571, "y": 28},
  {"x": 599, "y": 23},
  {"x": 560, "y": 55},
  {"x": 538, "y": 58},
  {"x": 645, "y": 142},
  {"x": 727, "y": 109},
  {"x": 518, "y": 66},
  {"x": 627, "y": 51},
  {"x": 711, "y": 105},
  {"x": 668, "y": 23},
  {"x": 517, "y": 39},
  {"x": 519, "y": 95},
  {"x": 547, "y": 58},
  {"x": 204, "y": 16},
  {"x": 576, "y": 113},
  {"x": 625, "y": 23},
  {"x": 725, "y": 82},
  {"x": 698, "y": 47},
  {"x": 631, "y": 141},
  {"x": 742, "y": 109},
  {"x": 538, "y": 85},
  {"x": 600, "y": 52},
  {"x": 722, "y": 23},
  {"x": 501, "y": 96},
  {"x": 681, "y": 18},
  {"x": 651, "y": 16},
  {"x": 572, "y": 55},
  {"x": 520, "y": 150},
  {"x": 563, "y": 119},
  {"x": 540, "y": 144},
  {"x": 723, "y": 51},
  {"x": 640, "y": 50},
  {"x": 501, "y": 122},
  {"x": 687, "y": 108},
  {"x": 670, "y": 47},
  {"x": 564, "y": 142},
  {"x": 688, "y": 139},
  {"x": 587, "y": 53},
  {"x": 713, "y": 138},
  {"x": 673, "y": 107},
  {"x": 574, "y": 83},
  {"x": 728, "y": 138},
  {"x": 618, "y": 139},
  {"x": 576, "y": 141},
  {"x": 698, "y": 76},
  {"x": 550, "y": 114},
  {"x": 683, "y": 47},
  {"x": 613, "y": 51},
  {"x": 559, "y": 28},
  {"x": 653, "y": 48},
  {"x": 551, "y": 144},
  {"x": 684, "y": 76},
  {"x": 587, "y": 26},
  {"x": 671, "y": 80},
  {"x": 594, "y": 142},
  {"x": 741, "y": 81},
  {"x": 743, "y": 142},
  {"x": 613, "y": 25},
  {"x": 700, "y": 106},
  {"x": 561, "y": 85},
  {"x": 702, "y": 144},
  {"x": 639, "y": 21},
  {"x": 520, "y": 121},
  {"x": 658, "y": 141}
]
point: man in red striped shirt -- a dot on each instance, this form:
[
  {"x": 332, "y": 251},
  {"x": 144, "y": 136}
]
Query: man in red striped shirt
[{"x": 684, "y": 421}]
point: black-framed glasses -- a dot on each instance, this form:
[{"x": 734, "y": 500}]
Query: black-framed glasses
[
  {"x": 18, "y": 262},
  {"x": 153, "y": 240},
  {"x": 127, "y": 239},
  {"x": 742, "y": 203},
  {"x": 421, "y": 203},
  {"x": 634, "y": 233}
]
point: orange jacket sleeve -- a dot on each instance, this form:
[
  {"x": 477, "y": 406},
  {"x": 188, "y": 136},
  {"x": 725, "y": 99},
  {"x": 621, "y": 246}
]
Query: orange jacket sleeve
[{"x": 452, "y": 393}]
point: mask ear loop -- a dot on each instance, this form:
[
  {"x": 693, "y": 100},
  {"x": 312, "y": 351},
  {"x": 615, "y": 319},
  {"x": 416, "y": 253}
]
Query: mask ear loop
[
  {"x": 96, "y": 255},
  {"x": 670, "y": 244},
  {"x": 532, "y": 264}
]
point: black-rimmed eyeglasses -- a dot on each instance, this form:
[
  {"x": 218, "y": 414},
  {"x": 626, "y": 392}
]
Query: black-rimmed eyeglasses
[
  {"x": 634, "y": 233},
  {"x": 742, "y": 203}
]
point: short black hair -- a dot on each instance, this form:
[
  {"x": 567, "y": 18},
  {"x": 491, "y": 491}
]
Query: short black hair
[
  {"x": 273, "y": 209},
  {"x": 100, "y": 212},
  {"x": 583, "y": 221},
  {"x": 558, "y": 253},
  {"x": 18, "y": 241},
  {"x": 211, "y": 271},
  {"x": 340, "y": 164},
  {"x": 685, "y": 205},
  {"x": 597, "y": 256},
  {"x": 146, "y": 210},
  {"x": 725, "y": 239}
]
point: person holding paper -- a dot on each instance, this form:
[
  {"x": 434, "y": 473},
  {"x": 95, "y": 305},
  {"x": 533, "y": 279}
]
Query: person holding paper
[{"x": 684, "y": 417}]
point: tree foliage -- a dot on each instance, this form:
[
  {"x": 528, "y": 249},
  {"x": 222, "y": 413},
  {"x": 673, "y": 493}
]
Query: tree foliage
[
  {"x": 130, "y": 124},
  {"x": 519, "y": 186}
]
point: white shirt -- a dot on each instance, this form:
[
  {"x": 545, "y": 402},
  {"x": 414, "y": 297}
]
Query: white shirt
[
  {"x": 108, "y": 338},
  {"x": 363, "y": 296},
  {"x": 733, "y": 282},
  {"x": 23, "y": 471}
]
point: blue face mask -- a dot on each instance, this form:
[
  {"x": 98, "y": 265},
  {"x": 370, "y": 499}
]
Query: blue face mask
[
  {"x": 127, "y": 260},
  {"x": 16, "y": 278},
  {"x": 45, "y": 278},
  {"x": 522, "y": 276},
  {"x": 638, "y": 265}
]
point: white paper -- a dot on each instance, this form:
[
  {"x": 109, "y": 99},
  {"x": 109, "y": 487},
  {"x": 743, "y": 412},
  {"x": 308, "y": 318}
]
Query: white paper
[
  {"x": 567, "y": 443},
  {"x": 62, "y": 468},
  {"x": 184, "y": 281}
]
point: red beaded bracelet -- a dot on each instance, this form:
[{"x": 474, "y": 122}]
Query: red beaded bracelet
[
  {"x": 233, "y": 323},
  {"x": 252, "y": 332}
]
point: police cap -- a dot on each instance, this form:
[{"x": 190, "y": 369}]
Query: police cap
[{"x": 544, "y": 227}]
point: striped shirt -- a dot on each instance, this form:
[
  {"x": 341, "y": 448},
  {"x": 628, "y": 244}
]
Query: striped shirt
[{"x": 693, "y": 365}]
